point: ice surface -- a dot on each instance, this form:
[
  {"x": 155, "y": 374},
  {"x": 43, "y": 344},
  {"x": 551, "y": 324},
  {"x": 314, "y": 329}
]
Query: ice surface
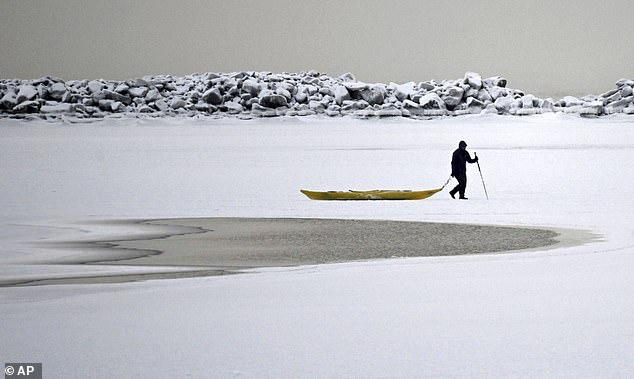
[{"x": 566, "y": 312}]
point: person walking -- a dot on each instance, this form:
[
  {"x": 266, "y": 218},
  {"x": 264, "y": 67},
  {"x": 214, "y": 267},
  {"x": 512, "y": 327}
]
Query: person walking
[{"x": 459, "y": 169}]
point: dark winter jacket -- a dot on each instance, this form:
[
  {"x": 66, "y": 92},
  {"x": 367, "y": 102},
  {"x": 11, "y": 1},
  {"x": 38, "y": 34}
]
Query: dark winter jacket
[{"x": 459, "y": 162}]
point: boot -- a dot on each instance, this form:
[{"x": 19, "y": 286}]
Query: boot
[{"x": 452, "y": 193}]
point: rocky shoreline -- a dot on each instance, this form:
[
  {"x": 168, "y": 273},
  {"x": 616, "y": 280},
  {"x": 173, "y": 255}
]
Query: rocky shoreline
[{"x": 266, "y": 94}]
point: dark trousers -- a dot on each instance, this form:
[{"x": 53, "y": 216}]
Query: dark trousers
[{"x": 462, "y": 184}]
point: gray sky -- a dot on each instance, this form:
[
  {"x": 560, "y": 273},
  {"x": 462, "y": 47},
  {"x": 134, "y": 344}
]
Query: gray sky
[{"x": 543, "y": 47}]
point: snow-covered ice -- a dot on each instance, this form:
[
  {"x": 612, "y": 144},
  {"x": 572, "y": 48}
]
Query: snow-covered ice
[{"x": 565, "y": 312}]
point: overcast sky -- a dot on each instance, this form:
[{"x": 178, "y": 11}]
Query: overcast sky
[{"x": 543, "y": 47}]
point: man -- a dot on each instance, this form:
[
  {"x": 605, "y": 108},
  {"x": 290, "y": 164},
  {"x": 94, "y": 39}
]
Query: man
[{"x": 459, "y": 169}]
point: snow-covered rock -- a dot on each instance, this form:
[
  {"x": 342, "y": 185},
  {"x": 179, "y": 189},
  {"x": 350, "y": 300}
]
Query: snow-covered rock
[
  {"x": 474, "y": 80},
  {"x": 251, "y": 87},
  {"x": 57, "y": 108},
  {"x": 452, "y": 96},
  {"x": 9, "y": 100},
  {"x": 626, "y": 91},
  {"x": 56, "y": 91},
  {"x": 273, "y": 101},
  {"x": 432, "y": 100},
  {"x": 213, "y": 96},
  {"x": 95, "y": 86},
  {"x": 152, "y": 95},
  {"x": 503, "y": 104},
  {"x": 30, "y": 106},
  {"x": 374, "y": 94},
  {"x": 116, "y": 96},
  {"x": 341, "y": 94},
  {"x": 404, "y": 91},
  {"x": 267, "y": 94},
  {"x": 528, "y": 101},
  {"x": 26, "y": 92},
  {"x": 177, "y": 103},
  {"x": 138, "y": 91}
]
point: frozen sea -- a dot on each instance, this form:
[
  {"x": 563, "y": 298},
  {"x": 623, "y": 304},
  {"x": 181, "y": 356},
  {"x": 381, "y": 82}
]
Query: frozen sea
[{"x": 563, "y": 312}]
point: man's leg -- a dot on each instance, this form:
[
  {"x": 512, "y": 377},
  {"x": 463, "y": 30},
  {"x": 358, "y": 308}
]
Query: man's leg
[
  {"x": 453, "y": 192},
  {"x": 462, "y": 184}
]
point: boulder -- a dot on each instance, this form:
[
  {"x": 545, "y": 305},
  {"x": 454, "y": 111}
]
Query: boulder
[
  {"x": 260, "y": 111},
  {"x": 94, "y": 86},
  {"x": 105, "y": 105},
  {"x": 117, "y": 106},
  {"x": 152, "y": 95},
  {"x": 527, "y": 101},
  {"x": 620, "y": 103},
  {"x": 326, "y": 91},
  {"x": 251, "y": 87},
  {"x": 432, "y": 101},
  {"x": 116, "y": 96},
  {"x": 452, "y": 96},
  {"x": 473, "y": 102},
  {"x": 161, "y": 105},
  {"x": 494, "y": 81},
  {"x": 495, "y": 92},
  {"x": 213, "y": 96},
  {"x": 571, "y": 101},
  {"x": 484, "y": 95},
  {"x": 284, "y": 92},
  {"x": 489, "y": 109},
  {"x": 273, "y": 101},
  {"x": 122, "y": 88},
  {"x": 474, "y": 80},
  {"x": 26, "y": 92},
  {"x": 138, "y": 91},
  {"x": 355, "y": 86},
  {"x": 145, "y": 109},
  {"x": 626, "y": 91},
  {"x": 388, "y": 110},
  {"x": 316, "y": 106},
  {"x": 622, "y": 82},
  {"x": 341, "y": 94},
  {"x": 57, "y": 108},
  {"x": 427, "y": 86},
  {"x": 404, "y": 91},
  {"x": 301, "y": 97},
  {"x": 503, "y": 104},
  {"x": 177, "y": 103},
  {"x": 31, "y": 106},
  {"x": 233, "y": 108},
  {"x": 57, "y": 91},
  {"x": 374, "y": 94},
  {"x": 354, "y": 105},
  {"x": 333, "y": 111},
  {"x": 546, "y": 105},
  {"x": 9, "y": 100},
  {"x": 615, "y": 97},
  {"x": 347, "y": 77}
]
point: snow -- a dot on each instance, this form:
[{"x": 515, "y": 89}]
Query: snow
[{"x": 564, "y": 312}]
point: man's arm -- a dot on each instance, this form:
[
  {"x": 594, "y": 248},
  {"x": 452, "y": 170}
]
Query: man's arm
[{"x": 469, "y": 159}]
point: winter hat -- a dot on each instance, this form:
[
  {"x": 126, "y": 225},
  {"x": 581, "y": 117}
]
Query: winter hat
[{"x": 462, "y": 144}]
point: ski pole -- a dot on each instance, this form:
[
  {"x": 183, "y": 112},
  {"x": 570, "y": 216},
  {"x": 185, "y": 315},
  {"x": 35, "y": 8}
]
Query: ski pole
[{"x": 481, "y": 177}]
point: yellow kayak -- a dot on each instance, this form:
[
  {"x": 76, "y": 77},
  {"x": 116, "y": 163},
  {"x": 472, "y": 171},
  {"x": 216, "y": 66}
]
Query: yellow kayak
[{"x": 371, "y": 195}]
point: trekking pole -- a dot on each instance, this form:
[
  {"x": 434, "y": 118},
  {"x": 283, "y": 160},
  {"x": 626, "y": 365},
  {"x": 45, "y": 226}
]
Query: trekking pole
[{"x": 481, "y": 177}]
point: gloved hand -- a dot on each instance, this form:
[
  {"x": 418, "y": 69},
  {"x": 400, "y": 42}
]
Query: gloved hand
[{"x": 476, "y": 158}]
